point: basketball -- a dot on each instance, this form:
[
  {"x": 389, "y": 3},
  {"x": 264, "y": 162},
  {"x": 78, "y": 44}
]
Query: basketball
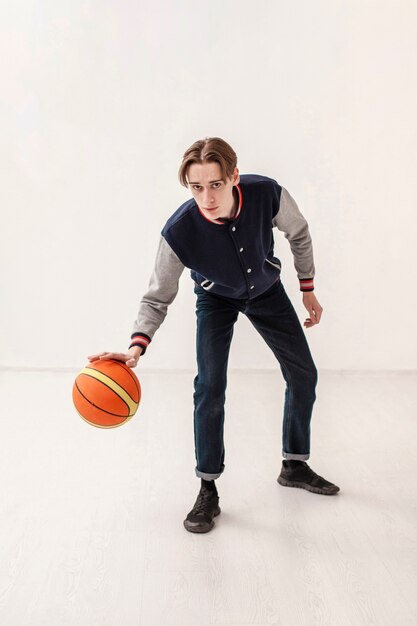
[{"x": 106, "y": 393}]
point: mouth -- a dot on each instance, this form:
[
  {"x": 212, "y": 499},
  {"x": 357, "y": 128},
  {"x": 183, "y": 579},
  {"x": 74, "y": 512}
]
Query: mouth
[{"x": 211, "y": 208}]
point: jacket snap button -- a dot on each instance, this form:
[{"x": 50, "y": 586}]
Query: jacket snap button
[
  {"x": 249, "y": 270},
  {"x": 252, "y": 286},
  {"x": 241, "y": 250},
  {"x": 233, "y": 228}
]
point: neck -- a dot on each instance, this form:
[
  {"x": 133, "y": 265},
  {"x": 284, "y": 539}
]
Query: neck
[{"x": 235, "y": 204}]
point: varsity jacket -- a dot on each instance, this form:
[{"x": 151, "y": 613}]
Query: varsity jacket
[{"x": 232, "y": 258}]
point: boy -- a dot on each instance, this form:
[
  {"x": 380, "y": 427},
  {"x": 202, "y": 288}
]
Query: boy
[{"x": 224, "y": 236}]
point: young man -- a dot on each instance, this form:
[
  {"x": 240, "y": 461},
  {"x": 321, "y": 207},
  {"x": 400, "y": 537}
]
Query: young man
[{"x": 224, "y": 236}]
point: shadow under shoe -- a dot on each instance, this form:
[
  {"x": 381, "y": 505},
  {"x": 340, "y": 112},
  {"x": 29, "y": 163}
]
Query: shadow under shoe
[
  {"x": 303, "y": 477},
  {"x": 200, "y": 518}
]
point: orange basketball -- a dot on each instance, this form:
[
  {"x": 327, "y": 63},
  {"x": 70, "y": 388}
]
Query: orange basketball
[{"x": 106, "y": 393}]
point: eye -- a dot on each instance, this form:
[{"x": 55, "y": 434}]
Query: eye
[
  {"x": 196, "y": 187},
  {"x": 216, "y": 185}
]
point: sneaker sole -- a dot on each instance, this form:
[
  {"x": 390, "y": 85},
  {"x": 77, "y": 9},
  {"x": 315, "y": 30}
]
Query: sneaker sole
[
  {"x": 292, "y": 483},
  {"x": 200, "y": 528}
]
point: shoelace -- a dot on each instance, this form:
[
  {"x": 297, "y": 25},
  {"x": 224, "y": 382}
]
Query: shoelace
[
  {"x": 310, "y": 474},
  {"x": 202, "y": 501},
  {"x": 315, "y": 478}
]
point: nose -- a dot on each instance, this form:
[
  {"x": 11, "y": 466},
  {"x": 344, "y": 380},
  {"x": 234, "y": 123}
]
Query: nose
[{"x": 208, "y": 198}]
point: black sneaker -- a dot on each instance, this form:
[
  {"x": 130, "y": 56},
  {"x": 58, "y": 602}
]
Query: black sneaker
[
  {"x": 200, "y": 518},
  {"x": 301, "y": 475}
]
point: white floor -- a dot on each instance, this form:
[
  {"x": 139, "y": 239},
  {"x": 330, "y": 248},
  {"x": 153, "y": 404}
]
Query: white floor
[{"x": 91, "y": 527}]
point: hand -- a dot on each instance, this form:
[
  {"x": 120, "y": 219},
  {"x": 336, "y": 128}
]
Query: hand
[
  {"x": 131, "y": 358},
  {"x": 313, "y": 307}
]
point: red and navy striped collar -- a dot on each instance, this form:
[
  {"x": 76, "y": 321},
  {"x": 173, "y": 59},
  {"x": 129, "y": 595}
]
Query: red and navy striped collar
[{"x": 219, "y": 221}]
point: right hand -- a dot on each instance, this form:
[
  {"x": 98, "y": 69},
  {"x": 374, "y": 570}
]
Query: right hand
[{"x": 131, "y": 358}]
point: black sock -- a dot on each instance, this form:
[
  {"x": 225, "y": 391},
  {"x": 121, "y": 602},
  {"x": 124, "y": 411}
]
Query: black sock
[{"x": 209, "y": 484}]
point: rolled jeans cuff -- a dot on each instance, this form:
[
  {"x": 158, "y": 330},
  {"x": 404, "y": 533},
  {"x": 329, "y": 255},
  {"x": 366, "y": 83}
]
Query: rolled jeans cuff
[
  {"x": 295, "y": 457},
  {"x": 208, "y": 476}
]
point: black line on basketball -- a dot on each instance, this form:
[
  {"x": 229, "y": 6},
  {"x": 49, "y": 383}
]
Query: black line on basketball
[
  {"x": 99, "y": 407},
  {"x": 132, "y": 377}
]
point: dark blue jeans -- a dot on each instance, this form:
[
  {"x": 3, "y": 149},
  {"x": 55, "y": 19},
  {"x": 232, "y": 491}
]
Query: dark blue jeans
[{"x": 274, "y": 317}]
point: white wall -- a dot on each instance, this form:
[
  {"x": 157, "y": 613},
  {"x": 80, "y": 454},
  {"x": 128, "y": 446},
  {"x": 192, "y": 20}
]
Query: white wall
[{"x": 100, "y": 99}]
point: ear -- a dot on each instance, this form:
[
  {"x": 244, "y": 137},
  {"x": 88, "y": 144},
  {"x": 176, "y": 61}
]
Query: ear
[{"x": 236, "y": 177}]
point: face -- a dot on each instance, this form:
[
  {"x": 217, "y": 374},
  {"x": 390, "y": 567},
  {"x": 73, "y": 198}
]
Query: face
[{"x": 213, "y": 195}]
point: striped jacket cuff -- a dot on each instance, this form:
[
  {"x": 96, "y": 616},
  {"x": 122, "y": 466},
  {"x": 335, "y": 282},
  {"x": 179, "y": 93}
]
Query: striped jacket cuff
[
  {"x": 306, "y": 284},
  {"x": 140, "y": 339}
]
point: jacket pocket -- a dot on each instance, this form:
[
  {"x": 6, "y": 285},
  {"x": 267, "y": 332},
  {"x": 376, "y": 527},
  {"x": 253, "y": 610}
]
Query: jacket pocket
[
  {"x": 275, "y": 263},
  {"x": 206, "y": 284},
  {"x": 201, "y": 281}
]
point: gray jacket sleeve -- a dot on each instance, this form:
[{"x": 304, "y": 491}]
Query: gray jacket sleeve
[
  {"x": 290, "y": 220},
  {"x": 162, "y": 289}
]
